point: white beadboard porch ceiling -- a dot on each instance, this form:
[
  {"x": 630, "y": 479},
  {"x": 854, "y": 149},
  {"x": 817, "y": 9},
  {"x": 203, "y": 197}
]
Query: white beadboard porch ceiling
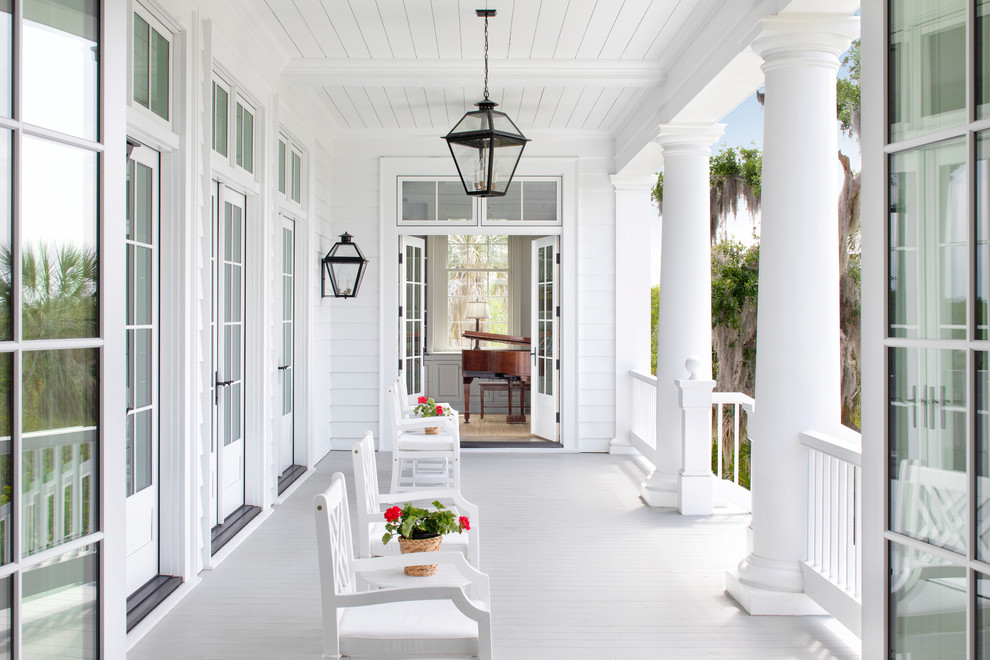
[{"x": 417, "y": 64}]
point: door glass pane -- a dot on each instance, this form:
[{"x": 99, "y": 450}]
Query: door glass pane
[
  {"x": 927, "y": 66},
  {"x": 6, "y": 616},
  {"x": 58, "y": 240},
  {"x": 143, "y": 458},
  {"x": 60, "y": 81},
  {"x": 60, "y": 410},
  {"x": 982, "y": 616},
  {"x": 6, "y": 58},
  {"x": 159, "y": 74},
  {"x": 6, "y": 462},
  {"x": 143, "y": 369},
  {"x": 982, "y": 427},
  {"x": 219, "y": 119},
  {"x": 927, "y": 422},
  {"x": 927, "y": 606},
  {"x": 929, "y": 224},
  {"x": 141, "y": 64},
  {"x": 6, "y": 239},
  {"x": 246, "y": 140},
  {"x": 982, "y": 236},
  {"x": 68, "y": 588}
]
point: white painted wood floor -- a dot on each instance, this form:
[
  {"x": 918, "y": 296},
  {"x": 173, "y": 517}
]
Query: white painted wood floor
[{"x": 579, "y": 566}]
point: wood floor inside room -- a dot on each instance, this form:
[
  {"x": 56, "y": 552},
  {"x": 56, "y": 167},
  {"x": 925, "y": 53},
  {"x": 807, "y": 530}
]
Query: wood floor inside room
[
  {"x": 580, "y": 568},
  {"x": 493, "y": 432}
]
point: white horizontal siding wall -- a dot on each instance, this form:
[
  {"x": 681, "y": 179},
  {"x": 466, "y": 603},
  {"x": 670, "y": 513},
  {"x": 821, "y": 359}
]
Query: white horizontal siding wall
[
  {"x": 596, "y": 305},
  {"x": 320, "y": 340},
  {"x": 353, "y": 330}
]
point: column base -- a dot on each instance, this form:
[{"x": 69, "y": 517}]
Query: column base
[
  {"x": 697, "y": 495},
  {"x": 620, "y": 446},
  {"x": 758, "y": 601},
  {"x": 661, "y": 490}
]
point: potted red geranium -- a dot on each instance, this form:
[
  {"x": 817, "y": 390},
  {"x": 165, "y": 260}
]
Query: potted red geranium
[
  {"x": 427, "y": 407},
  {"x": 421, "y": 530}
]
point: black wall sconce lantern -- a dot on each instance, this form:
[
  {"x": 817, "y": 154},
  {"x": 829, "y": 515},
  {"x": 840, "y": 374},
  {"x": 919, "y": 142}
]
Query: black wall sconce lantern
[
  {"x": 485, "y": 144},
  {"x": 344, "y": 266}
]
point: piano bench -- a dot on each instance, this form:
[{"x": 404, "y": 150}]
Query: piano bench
[{"x": 493, "y": 386}]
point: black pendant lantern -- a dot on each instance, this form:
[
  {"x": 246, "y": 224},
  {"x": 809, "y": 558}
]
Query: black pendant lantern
[
  {"x": 345, "y": 265},
  {"x": 485, "y": 144}
]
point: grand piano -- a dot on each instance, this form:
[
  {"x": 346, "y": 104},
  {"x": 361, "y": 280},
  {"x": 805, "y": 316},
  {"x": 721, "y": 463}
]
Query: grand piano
[{"x": 511, "y": 364}]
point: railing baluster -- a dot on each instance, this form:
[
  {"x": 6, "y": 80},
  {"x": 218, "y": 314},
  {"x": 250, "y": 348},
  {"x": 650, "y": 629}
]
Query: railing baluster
[
  {"x": 841, "y": 540},
  {"x": 735, "y": 452},
  {"x": 718, "y": 440}
]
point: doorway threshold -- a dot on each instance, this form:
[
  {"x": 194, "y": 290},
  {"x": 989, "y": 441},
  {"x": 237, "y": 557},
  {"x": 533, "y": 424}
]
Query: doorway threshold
[
  {"x": 141, "y": 603},
  {"x": 510, "y": 444},
  {"x": 288, "y": 477},
  {"x": 229, "y": 528}
]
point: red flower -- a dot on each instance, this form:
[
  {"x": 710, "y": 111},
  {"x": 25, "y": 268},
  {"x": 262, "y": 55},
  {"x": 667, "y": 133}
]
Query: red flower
[
  {"x": 421, "y": 399},
  {"x": 391, "y": 515},
  {"x": 464, "y": 522},
  {"x": 439, "y": 410}
]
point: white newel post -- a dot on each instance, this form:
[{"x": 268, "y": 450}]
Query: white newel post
[
  {"x": 797, "y": 352},
  {"x": 634, "y": 211},
  {"x": 685, "y": 314},
  {"x": 697, "y": 496}
]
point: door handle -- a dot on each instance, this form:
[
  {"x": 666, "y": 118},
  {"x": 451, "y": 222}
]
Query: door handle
[
  {"x": 283, "y": 367},
  {"x": 218, "y": 384}
]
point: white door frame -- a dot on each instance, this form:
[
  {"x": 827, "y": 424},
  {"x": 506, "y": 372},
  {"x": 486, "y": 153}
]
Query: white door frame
[
  {"x": 566, "y": 168},
  {"x": 286, "y": 367}
]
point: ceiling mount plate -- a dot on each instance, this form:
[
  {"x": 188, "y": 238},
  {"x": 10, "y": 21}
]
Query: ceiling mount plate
[{"x": 485, "y": 13}]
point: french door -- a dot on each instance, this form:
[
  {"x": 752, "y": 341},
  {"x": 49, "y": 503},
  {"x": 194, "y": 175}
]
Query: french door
[
  {"x": 141, "y": 440},
  {"x": 412, "y": 312},
  {"x": 544, "y": 333},
  {"x": 286, "y": 457},
  {"x": 227, "y": 446}
]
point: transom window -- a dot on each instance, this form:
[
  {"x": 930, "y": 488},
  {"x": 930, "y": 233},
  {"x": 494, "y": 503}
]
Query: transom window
[
  {"x": 233, "y": 123},
  {"x": 289, "y": 169},
  {"x": 530, "y": 201},
  {"x": 151, "y": 70}
]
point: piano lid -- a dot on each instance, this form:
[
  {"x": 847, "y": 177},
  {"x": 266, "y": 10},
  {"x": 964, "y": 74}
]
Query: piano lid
[{"x": 491, "y": 336}]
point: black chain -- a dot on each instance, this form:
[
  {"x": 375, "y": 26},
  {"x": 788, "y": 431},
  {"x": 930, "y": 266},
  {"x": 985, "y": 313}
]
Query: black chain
[{"x": 486, "y": 56}]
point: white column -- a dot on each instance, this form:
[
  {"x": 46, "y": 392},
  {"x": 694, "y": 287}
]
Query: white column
[
  {"x": 697, "y": 494},
  {"x": 634, "y": 211},
  {"x": 797, "y": 353},
  {"x": 685, "y": 291}
]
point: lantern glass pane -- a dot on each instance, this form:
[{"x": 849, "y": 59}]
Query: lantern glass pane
[
  {"x": 472, "y": 121},
  {"x": 501, "y": 122},
  {"x": 472, "y": 164},
  {"x": 506, "y": 157},
  {"x": 345, "y": 277}
]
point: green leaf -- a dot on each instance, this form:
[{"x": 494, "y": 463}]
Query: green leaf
[{"x": 386, "y": 538}]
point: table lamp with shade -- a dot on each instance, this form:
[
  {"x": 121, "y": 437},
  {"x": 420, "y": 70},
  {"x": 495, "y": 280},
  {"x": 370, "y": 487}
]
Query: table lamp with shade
[{"x": 477, "y": 310}]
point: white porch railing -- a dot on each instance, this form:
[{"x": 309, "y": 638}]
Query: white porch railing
[
  {"x": 729, "y": 486},
  {"x": 834, "y": 564},
  {"x": 644, "y": 415}
]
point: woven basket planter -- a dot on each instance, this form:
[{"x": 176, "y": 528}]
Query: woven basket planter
[{"x": 420, "y": 545}]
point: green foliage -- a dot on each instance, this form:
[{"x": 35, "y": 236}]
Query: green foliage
[
  {"x": 655, "y": 326},
  {"x": 746, "y": 164},
  {"x": 657, "y": 193},
  {"x": 735, "y": 280},
  {"x": 413, "y": 522},
  {"x": 847, "y": 93}
]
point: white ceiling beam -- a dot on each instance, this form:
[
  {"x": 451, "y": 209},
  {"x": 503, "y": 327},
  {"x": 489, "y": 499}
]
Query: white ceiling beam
[{"x": 460, "y": 73}]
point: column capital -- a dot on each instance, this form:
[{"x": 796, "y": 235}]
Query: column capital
[
  {"x": 633, "y": 182},
  {"x": 686, "y": 139},
  {"x": 807, "y": 39}
]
